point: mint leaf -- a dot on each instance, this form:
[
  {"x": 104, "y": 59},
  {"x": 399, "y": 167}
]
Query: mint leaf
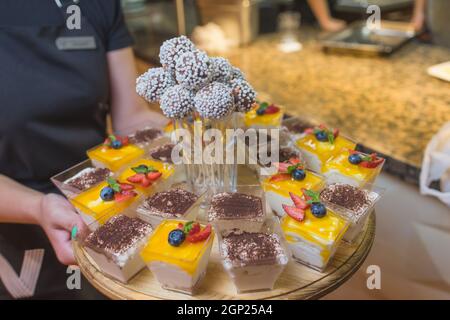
[
  {"x": 263, "y": 105},
  {"x": 112, "y": 137},
  {"x": 330, "y": 137},
  {"x": 290, "y": 169},
  {"x": 113, "y": 184},
  {"x": 366, "y": 158},
  {"x": 188, "y": 226},
  {"x": 141, "y": 169},
  {"x": 313, "y": 195}
]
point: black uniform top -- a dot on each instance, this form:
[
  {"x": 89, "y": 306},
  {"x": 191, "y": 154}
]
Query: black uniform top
[{"x": 53, "y": 103}]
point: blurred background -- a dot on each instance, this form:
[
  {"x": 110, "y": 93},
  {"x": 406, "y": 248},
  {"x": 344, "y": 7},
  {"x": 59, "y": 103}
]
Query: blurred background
[{"x": 382, "y": 82}]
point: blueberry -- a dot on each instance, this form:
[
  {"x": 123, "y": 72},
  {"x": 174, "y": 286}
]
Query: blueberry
[
  {"x": 260, "y": 111},
  {"x": 322, "y": 136},
  {"x": 107, "y": 194},
  {"x": 176, "y": 237},
  {"x": 299, "y": 174},
  {"x": 318, "y": 210},
  {"x": 116, "y": 144},
  {"x": 354, "y": 158}
]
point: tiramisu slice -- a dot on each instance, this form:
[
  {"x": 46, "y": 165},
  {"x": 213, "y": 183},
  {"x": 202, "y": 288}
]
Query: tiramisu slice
[
  {"x": 353, "y": 203},
  {"x": 145, "y": 136},
  {"x": 162, "y": 153},
  {"x": 254, "y": 261},
  {"x": 171, "y": 204},
  {"x": 115, "y": 246},
  {"x": 237, "y": 211},
  {"x": 88, "y": 178}
]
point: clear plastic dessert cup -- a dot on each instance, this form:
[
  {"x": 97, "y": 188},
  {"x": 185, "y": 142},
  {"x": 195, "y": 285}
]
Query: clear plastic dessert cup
[
  {"x": 95, "y": 211},
  {"x": 115, "y": 245},
  {"x": 64, "y": 181},
  {"x": 277, "y": 192},
  {"x": 254, "y": 261},
  {"x": 178, "y": 268},
  {"x": 316, "y": 153},
  {"x": 114, "y": 159},
  {"x": 313, "y": 241},
  {"x": 245, "y": 209},
  {"x": 356, "y": 213},
  {"x": 178, "y": 202},
  {"x": 338, "y": 169}
]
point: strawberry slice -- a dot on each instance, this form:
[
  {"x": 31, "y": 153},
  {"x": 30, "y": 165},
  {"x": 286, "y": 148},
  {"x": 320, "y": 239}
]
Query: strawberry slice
[
  {"x": 309, "y": 131},
  {"x": 137, "y": 178},
  {"x": 351, "y": 151},
  {"x": 200, "y": 236},
  {"x": 195, "y": 228},
  {"x": 152, "y": 176},
  {"x": 126, "y": 186},
  {"x": 371, "y": 164},
  {"x": 294, "y": 161},
  {"x": 125, "y": 195},
  {"x": 272, "y": 109},
  {"x": 107, "y": 142},
  {"x": 336, "y": 133},
  {"x": 295, "y": 213},
  {"x": 123, "y": 140},
  {"x": 282, "y": 166},
  {"x": 280, "y": 177},
  {"x": 298, "y": 201},
  {"x": 180, "y": 226},
  {"x": 146, "y": 182}
]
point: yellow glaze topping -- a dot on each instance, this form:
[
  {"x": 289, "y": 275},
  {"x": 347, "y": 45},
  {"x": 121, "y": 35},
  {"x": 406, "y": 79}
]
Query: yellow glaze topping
[
  {"x": 165, "y": 168},
  {"x": 340, "y": 163},
  {"x": 90, "y": 203},
  {"x": 324, "y": 232},
  {"x": 311, "y": 182},
  {"x": 324, "y": 150},
  {"x": 266, "y": 120},
  {"x": 114, "y": 159},
  {"x": 187, "y": 256}
]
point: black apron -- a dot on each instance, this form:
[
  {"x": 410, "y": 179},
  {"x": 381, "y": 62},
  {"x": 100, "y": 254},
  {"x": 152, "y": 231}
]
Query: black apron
[{"x": 53, "y": 108}]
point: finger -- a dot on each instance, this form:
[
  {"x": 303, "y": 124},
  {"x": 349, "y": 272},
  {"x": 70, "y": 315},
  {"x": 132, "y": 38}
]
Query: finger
[{"x": 62, "y": 245}]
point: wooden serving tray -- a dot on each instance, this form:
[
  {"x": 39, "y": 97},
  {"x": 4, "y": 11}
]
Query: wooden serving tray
[{"x": 296, "y": 282}]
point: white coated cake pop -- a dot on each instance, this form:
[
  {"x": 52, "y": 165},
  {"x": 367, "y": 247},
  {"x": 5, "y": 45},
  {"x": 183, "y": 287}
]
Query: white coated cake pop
[
  {"x": 153, "y": 83},
  {"x": 244, "y": 95},
  {"x": 214, "y": 101},
  {"x": 177, "y": 102}
]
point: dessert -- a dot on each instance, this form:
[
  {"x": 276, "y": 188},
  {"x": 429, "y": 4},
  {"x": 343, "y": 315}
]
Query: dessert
[
  {"x": 97, "y": 204},
  {"x": 172, "y": 204},
  {"x": 144, "y": 137},
  {"x": 355, "y": 204},
  {"x": 79, "y": 178},
  {"x": 264, "y": 115},
  {"x": 320, "y": 144},
  {"x": 162, "y": 153},
  {"x": 114, "y": 153},
  {"x": 253, "y": 260},
  {"x": 88, "y": 178},
  {"x": 291, "y": 177},
  {"x": 237, "y": 210},
  {"x": 178, "y": 253},
  {"x": 115, "y": 246},
  {"x": 312, "y": 230},
  {"x": 353, "y": 167},
  {"x": 146, "y": 174}
]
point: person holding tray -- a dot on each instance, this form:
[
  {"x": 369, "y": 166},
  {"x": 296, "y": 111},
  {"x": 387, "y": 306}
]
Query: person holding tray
[{"x": 64, "y": 66}]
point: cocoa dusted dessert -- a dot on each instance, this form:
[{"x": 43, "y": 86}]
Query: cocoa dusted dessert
[
  {"x": 115, "y": 246},
  {"x": 171, "y": 204},
  {"x": 145, "y": 136},
  {"x": 88, "y": 178},
  {"x": 254, "y": 261},
  {"x": 162, "y": 153},
  {"x": 353, "y": 203},
  {"x": 237, "y": 211}
]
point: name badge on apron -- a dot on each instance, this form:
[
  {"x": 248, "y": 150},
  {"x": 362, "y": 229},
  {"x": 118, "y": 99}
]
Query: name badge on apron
[{"x": 76, "y": 43}]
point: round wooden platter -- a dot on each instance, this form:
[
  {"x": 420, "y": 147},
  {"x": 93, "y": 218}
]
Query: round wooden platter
[{"x": 296, "y": 282}]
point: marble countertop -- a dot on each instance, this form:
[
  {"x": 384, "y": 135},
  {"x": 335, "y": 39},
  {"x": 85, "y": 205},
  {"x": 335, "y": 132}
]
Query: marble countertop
[{"x": 388, "y": 104}]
